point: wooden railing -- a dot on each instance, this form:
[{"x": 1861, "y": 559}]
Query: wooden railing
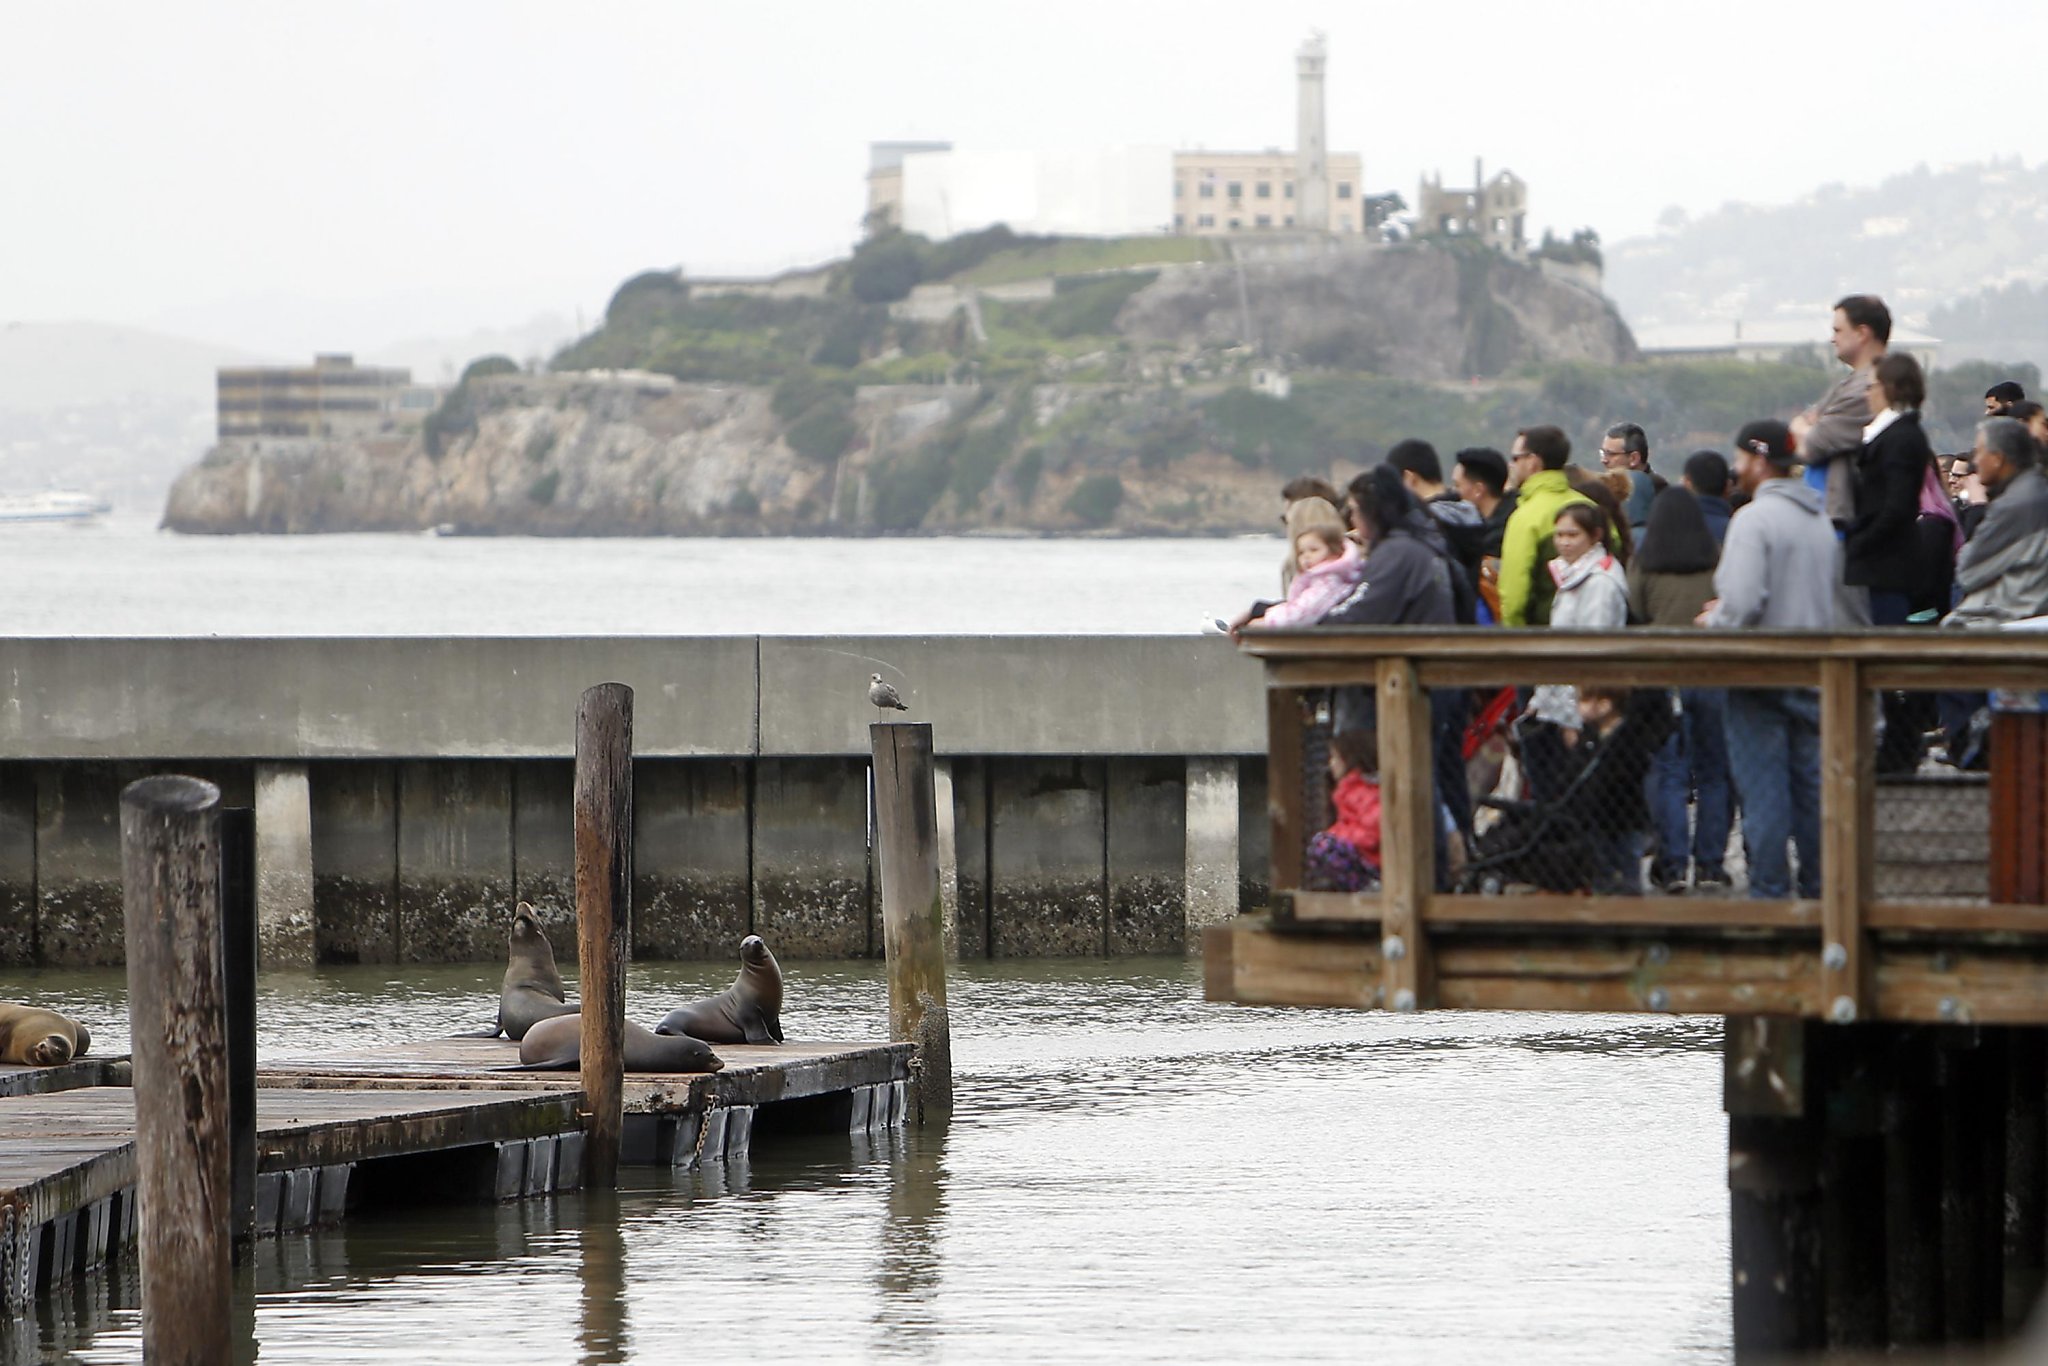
[{"x": 1851, "y": 955}]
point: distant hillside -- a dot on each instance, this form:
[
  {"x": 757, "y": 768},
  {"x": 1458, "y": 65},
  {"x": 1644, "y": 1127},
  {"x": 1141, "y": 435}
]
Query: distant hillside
[
  {"x": 1931, "y": 242},
  {"x": 111, "y": 410},
  {"x": 46, "y": 365}
]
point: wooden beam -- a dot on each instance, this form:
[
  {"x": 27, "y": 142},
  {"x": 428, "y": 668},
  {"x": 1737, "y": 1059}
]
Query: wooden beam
[
  {"x": 1407, "y": 833},
  {"x": 913, "y": 934},
  {"x": 1848, "y": 785},
  {"x": 1337, "y": 908},
  {"x": 1956, "y": 917},
  {"x": 1643, "y": 912},
  {"x": 1692, "y": 673},
  {"x": 2024, "y": 652},
  {"x": 1283, "y": 787}
]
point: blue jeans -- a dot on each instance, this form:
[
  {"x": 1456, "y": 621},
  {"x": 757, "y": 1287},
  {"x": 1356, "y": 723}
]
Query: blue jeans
[
  {"x": 1774, "y": 753},
  {"x": 1692, "y": 768}
]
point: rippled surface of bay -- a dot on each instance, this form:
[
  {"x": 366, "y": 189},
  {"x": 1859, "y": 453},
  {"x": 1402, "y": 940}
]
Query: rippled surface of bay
[{"x": 1132, "y": 1175}]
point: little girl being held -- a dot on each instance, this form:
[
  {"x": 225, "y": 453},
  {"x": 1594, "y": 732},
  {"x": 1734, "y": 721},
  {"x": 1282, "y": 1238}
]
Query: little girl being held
[{"x": 1328, "y": 567}]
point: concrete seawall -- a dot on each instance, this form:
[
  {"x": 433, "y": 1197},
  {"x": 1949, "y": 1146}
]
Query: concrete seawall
[{"x": 1107, "y": 793}]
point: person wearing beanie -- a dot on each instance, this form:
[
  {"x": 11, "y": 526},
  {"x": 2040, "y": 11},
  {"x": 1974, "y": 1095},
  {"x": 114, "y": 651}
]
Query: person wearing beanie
[{"x": 1779, "y": 567}]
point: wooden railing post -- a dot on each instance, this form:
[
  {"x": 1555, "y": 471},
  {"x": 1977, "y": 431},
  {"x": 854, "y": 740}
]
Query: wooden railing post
[
  {"x": 1848, "y": 781},
  {"x": 604, "y": 901},
  {"x": 913, "y": 938},
  {"x": 1284, "y": 786},
  {"x": 177, "y": 1018},
  {"x": 1407, "y": 835}
]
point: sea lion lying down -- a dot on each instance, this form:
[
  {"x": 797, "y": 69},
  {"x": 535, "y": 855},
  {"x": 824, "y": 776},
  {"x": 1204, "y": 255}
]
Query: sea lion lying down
[
  {"x": 40, "y": 1038},
  {"x": 555, "y": 1044}
]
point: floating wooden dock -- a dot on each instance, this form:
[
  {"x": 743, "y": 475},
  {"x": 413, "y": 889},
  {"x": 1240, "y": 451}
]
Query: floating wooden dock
[{"x": 417, "y": 1122}]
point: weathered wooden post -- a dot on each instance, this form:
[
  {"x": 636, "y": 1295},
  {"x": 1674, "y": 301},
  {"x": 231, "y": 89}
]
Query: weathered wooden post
[
  {"x": 170, "y": 899},
  {"x": 238, "y": 969},
  {"x": 913, "y": 934},
  {"x": 604, "y": 903}
]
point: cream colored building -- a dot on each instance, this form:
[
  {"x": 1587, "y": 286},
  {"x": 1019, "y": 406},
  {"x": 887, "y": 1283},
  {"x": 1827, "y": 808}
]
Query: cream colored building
[
  {"x": 1225, "y": 192},
  {"x": 331, "y": 397}
]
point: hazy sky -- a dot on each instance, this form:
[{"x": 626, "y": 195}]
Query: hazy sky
[{"x": 282, "y": 177}]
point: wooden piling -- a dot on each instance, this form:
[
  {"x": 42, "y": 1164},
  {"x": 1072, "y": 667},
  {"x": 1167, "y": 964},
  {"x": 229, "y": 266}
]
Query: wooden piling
[
  {"x": 1852, "y": 1169},
  {"x": 604, "y": 900},
  {"x": 1912, "y": 1204},
  {"x": 907, "y": 858},
  {"x": 238, "y": 972},
  {"x": 1774, "y": 1201},
  {"x": 2026, "y": 1172},
  {"x": 170, "y": 897}
]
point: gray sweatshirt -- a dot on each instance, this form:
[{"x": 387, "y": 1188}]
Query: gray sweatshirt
[{"x": 1780, "y": 563}]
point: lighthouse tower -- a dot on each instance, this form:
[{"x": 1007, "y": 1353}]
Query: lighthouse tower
[{"x": 1311, "y": 151}]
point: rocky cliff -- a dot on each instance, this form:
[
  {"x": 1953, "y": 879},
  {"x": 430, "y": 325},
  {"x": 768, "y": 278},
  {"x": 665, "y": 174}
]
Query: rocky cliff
[{"x": 1173, "y": 398}]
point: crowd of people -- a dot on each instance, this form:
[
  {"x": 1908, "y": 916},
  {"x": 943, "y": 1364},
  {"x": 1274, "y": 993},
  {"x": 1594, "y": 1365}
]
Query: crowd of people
[{"x": 1843, "y": 517}]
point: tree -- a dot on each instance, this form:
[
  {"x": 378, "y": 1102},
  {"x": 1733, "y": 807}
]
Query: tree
[{"x": 649, "y": 292}]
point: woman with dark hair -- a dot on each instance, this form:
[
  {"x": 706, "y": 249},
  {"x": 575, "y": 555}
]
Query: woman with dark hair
[
  {"x": 1882, "y": 550},
  {"x": 1411, "y": 579},
  {"x": 1669, "y": 585}
]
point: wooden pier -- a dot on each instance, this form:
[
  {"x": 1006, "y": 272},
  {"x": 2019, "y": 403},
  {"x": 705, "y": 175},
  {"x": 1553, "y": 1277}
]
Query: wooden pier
[
  {"x": 1885, "y": 1082},
  {"x": 423, "y": 1121}
]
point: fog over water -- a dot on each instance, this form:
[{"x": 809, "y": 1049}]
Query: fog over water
[{"x": 126, "y": 578}]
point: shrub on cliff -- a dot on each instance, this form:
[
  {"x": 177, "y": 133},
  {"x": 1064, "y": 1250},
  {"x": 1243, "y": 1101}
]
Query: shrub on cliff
[
  {"x": 650, "y": 293},
  {"x": 1095, "y": 499},
  {"x": 456, "y": 416},
  {"x": 817, "y": 413}
]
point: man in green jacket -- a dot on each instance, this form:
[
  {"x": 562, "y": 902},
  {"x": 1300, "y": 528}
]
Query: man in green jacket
[{"x": 1538, "y": 461}]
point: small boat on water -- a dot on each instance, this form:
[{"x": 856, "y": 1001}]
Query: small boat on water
[{"x": 57, "y": 505}]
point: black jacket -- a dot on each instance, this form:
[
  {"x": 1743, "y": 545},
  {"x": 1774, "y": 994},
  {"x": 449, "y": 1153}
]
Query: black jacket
[
  {"x": 1407, "y": 583},
  {"x": 1881, "y": 549}
]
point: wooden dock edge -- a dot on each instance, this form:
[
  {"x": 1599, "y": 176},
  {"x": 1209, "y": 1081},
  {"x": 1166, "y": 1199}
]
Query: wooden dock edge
[{"x": 1616, "y": 968}]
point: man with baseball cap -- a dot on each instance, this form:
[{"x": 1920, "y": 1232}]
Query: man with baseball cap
[{"x": 1779, "y": 567}]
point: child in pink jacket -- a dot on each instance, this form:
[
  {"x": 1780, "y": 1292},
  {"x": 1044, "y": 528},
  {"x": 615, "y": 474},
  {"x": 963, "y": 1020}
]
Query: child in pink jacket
[{"x": 1328, "y": 567}]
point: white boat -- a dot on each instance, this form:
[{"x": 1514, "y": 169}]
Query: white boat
[{"x": 57, "y": 505}]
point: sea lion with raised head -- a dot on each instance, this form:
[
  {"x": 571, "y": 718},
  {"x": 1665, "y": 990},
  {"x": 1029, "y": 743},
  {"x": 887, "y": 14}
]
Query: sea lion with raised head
[
  {"x": 748, "y": 1011},
  {"x": 532, "y": 990},
  {"x": 555, "y": 1044},
  {"x": 40, "y": 1038}
]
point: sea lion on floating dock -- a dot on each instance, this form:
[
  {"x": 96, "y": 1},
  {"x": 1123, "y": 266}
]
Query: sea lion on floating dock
[
  {"x": 558, "y": 1043},
  {"x": 40, "y": 1038},
  {"x": 748, "y": 1011},
  {"x": 532, "y": 990}
]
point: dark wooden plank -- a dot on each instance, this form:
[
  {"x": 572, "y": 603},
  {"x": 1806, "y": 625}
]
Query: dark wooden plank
[{"x": 1956, "y": 917}]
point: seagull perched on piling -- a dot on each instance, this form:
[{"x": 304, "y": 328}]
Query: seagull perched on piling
[{"x": 884, "y": 696}]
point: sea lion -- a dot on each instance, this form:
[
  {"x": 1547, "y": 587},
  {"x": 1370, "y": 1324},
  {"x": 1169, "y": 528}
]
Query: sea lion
[
  {"x": 532, "y": 990},
  {"x": 557, "y": 1043},
  {"x": 40, "y": 1038},
  {"x": 748, "y": 1011}
]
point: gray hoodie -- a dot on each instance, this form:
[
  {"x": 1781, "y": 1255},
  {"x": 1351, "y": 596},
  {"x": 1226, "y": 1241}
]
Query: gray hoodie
[{"x": 1780, "y": 563}]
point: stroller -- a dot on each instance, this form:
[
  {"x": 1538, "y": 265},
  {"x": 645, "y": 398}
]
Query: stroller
[{"x": 1564, "y": 844}]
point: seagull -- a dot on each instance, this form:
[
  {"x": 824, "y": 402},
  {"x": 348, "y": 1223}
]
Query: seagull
[{"x": 884, "y": 696}]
